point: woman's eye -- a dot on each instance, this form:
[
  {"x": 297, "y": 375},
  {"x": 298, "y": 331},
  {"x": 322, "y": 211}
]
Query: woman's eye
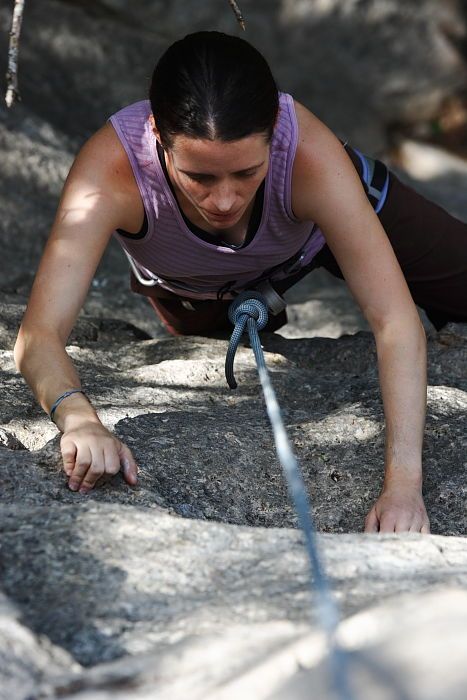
[
  {"x": 209, "y": 179},
  {"x": 201, "y": 179}
]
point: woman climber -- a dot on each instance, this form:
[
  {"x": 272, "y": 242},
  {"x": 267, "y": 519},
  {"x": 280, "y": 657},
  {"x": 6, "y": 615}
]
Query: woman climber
[{"x": 220, "y": 183}]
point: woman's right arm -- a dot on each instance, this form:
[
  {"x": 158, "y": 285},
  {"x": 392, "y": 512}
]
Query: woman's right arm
[{"x": 98, "y": 197}]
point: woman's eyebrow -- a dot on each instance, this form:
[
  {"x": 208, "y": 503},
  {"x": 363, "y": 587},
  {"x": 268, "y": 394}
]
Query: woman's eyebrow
[
  {"x": 252, "y": 167},
  {"x": 237, "y": 172}
]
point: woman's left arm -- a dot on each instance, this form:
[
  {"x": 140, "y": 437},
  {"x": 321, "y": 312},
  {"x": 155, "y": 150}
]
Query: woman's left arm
[{"x": 327, "y": 190}]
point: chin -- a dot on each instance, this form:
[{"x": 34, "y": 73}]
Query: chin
[{"x": 222, "y": 224}]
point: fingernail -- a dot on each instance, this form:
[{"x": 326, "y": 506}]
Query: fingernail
[
  {"x": 73, "y": 485},
  {"x": 84, "y": 490}
]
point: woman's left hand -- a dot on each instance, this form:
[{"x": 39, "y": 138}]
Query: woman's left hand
[{"x": 399, "y": 508}]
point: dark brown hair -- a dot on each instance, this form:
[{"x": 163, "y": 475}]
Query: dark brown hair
[{"x": 212, "y": 85}]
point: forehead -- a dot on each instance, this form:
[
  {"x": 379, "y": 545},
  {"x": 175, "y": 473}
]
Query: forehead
[{"x": 203, "y": 155}]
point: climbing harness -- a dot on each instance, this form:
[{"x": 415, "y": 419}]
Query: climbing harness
[
  {"x": 275, "y": 302},
  {"x": 150, "y": 281},
  {"x": 375, "y": 176},
  {"x": 250, "y": 311}
]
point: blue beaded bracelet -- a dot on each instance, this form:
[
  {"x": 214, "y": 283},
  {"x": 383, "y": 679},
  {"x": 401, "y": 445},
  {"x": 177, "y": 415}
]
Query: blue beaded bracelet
[{"x": 57, "y": 403}]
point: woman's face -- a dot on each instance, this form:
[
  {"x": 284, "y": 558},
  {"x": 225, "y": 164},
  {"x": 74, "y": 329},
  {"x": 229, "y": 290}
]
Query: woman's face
[{"x": 218, "y": 178}]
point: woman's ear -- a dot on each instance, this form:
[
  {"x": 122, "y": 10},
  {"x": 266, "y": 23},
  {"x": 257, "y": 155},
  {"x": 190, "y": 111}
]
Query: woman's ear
[{"x": 155, "y": 130}]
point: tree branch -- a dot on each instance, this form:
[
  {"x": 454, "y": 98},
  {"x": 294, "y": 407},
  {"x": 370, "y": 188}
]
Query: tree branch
[
  {"x": 12, "y": 93},
  {"x": 238, "y": 13}
]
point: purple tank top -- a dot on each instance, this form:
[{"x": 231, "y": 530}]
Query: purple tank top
[{"x": 178, "y": 260}]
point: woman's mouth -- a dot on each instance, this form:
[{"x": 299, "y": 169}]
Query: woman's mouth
[
  {"x": 221, "y": 218},
  {"x": 217, "y": 215}
]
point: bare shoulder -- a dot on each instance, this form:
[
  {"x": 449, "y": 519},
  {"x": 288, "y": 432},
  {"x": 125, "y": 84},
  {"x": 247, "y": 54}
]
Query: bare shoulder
[
  {"x": 104, "y": 155},
  {"x": 316, "y": 141},
  {"x": 103, "y": 163},
  {"x": 319, "y": 159}
]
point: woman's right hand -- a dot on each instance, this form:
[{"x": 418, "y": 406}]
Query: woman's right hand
[{"x": 89, "y": 451}]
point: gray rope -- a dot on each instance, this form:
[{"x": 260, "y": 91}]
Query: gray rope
[{"x": 249, "y": 310}]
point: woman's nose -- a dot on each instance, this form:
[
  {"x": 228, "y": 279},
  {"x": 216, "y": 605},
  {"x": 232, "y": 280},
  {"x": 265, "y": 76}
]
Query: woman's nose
[{"x": 223, "y": 198}]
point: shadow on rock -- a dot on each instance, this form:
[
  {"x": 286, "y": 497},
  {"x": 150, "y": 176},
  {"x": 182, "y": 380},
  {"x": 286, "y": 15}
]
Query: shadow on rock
[{"x": 55, "y": 582}]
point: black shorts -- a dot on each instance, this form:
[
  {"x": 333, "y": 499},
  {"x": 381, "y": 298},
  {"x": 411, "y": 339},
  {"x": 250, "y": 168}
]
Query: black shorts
[{"x": 431, "y": 247}]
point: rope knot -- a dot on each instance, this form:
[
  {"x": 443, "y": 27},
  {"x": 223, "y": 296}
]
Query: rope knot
[
  {"x": 251, "y": 304},
  {"x": 248, "y": 311}
]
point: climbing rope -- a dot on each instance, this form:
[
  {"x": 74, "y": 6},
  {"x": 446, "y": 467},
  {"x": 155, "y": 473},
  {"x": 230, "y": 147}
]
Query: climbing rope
[{"x": 249, "y": 310}]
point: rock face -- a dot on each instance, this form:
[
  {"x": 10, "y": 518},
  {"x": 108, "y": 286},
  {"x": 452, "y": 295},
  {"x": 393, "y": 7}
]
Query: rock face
[
  {"x": 195, "y": 582},
  {"x": 361, "y": 65},
  {"x": 133, "y": 571}
]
